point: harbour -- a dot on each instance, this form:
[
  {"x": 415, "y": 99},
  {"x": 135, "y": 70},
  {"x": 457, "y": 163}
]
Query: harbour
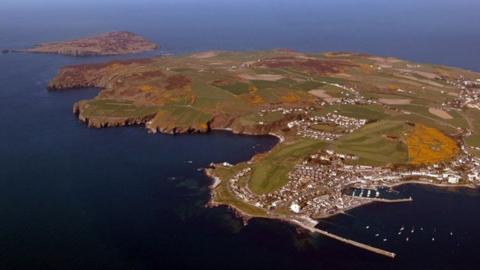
[{"x": 382, "y": 194}]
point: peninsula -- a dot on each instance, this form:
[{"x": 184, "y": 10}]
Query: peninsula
[
  {"x": 345, "y": 122},
  {"x": 113, "y": 43}
]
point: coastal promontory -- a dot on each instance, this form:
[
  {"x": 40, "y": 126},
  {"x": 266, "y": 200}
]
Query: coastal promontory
[
  {"x": 348, "y": 124},
  {"x": 112, "y": 43}
]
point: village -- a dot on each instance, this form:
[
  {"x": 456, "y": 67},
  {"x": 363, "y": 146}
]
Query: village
[
  {"x": 469, "y": 95},
  {"x": 322, "y": 184},
  {"x": 318, "y": 186},
  {"x": 306, "y": 127}
]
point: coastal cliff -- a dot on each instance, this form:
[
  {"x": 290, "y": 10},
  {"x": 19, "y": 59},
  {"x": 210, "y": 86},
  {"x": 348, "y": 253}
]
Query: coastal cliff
[{"x": 343, "y": 120}]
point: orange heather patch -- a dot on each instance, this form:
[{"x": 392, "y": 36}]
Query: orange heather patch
[
  {"x": 428, "y": 145},
  {"x": 392, "y": 87},
  {"x": 290, "y": 98},
  {"x": 146, "y": 88},
  {"x": 254, "y": 97},
  {"x": 366, "y": 69},
  {"x": 313, "y": 65},
  {"x": 203, "y": 126}
]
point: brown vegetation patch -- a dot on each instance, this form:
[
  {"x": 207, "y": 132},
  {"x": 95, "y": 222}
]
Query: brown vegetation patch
[
  {"x": 312, "y": 65},
  {"x": 177, "y": 81},
  {"x": 338, "y": 54},
  {"x": 220, "y": 83},
  {"x": 148, "y": 75},
  {"x": 97, "y": 66},
  {"x": 391, "y": 137}
]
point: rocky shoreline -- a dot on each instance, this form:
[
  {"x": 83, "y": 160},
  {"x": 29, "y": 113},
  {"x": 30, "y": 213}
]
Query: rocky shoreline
[{"x": 103, "y": 122}]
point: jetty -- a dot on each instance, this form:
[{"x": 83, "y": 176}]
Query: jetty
[
  {"x": 409, "y": 199},
  {"x": 309, "y": 224}
]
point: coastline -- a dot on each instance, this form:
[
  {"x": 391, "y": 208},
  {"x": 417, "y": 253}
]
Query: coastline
[
  {"x": 303, "y": 222},
  {"x": 222, "y": 189},
  {"x": 278, "y": 136},
  {"x": 308, "y": 223}
]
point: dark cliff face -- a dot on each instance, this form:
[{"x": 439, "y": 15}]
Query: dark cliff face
[
  {"x": 69, "y": 78},
  {"x": 70, "y": 82},
  {"x": 106, "y": 121}
]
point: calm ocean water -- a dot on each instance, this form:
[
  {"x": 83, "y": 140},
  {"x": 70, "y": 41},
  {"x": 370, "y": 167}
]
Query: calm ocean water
[{"x": 79, "y": 198}]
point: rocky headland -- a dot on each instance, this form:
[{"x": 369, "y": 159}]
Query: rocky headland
[{"x": 112, "y": 43}]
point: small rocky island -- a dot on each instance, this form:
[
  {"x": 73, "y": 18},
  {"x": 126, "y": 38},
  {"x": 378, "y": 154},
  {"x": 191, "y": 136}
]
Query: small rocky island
[
  {"x": 112, "y": 43},
  {"x": 348, "y": 124}
]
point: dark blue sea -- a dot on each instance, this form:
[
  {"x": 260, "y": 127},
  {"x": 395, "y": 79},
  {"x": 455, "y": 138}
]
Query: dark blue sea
[{"x": 78, "y": 198}]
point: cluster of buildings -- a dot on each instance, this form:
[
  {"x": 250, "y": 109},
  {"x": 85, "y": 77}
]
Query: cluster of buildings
[
  {"x": 317, "y": 187},
  {"x": 469, "y": 95},
  {"x": 286, "y": 111},
  {"x": 328, "y": 172},
  {"x": 241, "y": 191},
  {"x": 306, "y": 127},
  {"x": 351, "y": 95}
]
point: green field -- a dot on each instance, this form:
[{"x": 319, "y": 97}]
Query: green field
[
  {"x": 115, "y": 108},
  {"x": 372, "y": 146},
  {"x": 255, "y": 118},
  {"x": 328, "y": 128},
  {"x": 271, "y": 171},
  {"x": 236, "y": 88},
  {"x": 420, "y": 114},
  {"x": 181, "y": 117}
]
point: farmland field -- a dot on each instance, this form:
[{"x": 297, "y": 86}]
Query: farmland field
[
  {"x": 349, "y": 109},
  {"x": 271, "y": 171},
  {"x": 379, "y": 143}
]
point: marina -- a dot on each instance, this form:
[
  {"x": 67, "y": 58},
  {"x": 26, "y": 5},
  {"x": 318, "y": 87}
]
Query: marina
[{"x": 383, "y": 194}]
